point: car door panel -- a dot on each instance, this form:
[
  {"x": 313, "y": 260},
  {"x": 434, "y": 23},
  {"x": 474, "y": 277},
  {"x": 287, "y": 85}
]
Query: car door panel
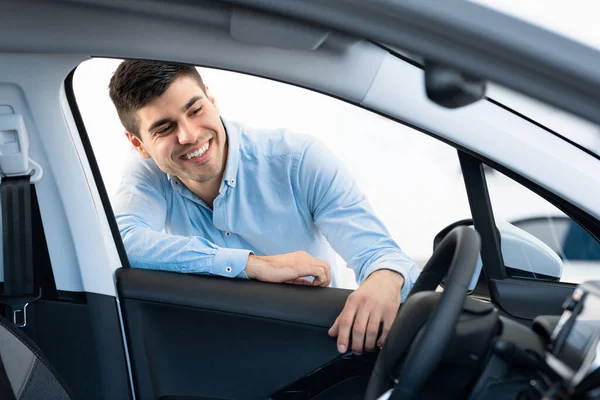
[
  {"x": 212, "y": 337},
  {"x": 526, "y": 299}
]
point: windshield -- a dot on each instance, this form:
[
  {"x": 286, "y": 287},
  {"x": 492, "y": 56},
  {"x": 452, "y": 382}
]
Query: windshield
[
  {"x": 578, "y": 130},
  {"x": 575, "y": 20}
]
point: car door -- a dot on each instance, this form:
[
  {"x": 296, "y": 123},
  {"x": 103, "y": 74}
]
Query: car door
[{"x": 216, "y": 338}]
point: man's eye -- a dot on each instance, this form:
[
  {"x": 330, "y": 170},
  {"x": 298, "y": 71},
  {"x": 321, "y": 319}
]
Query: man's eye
[
  {"x": 164, "y": 131},
  {"x": 196, "y": 111}
]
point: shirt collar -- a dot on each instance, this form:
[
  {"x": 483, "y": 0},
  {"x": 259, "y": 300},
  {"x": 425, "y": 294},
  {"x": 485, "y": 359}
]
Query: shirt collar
[{"x": 233, "y": 154}]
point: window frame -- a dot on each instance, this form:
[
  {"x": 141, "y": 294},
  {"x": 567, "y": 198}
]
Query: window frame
[{"x": 491, "y": 271}]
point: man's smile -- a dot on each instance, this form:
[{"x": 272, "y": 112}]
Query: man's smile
[{"x": 199, "y": 154}]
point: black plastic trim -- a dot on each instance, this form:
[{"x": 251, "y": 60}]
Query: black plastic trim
[
  {"x": 338, "y": 371},
  {"x": 483, "y": 216},
  {"x": 43, "y": 275},
  {"x": 526, "y": 299},
  {"x": 87, "y": 146},
  {"x": 295, "y": 303},
  {"x": 71, "y": 297},
  {"x": 84, "y": 343},
  {"x": 261, "y": 336},
  {"x": 522, "y": 274}
]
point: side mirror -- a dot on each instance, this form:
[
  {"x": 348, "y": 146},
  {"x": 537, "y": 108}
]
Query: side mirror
[
  {"x": 525, "y": 256},
  {"x": 450, "y": 88}
]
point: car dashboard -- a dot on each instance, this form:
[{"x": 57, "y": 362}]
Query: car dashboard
[
  {"x": 558, "y": 358},
  {"x": 573, "y": 350}
]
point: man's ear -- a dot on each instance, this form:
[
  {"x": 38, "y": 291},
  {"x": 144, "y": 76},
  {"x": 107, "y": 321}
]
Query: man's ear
[
  {"x": 211, "y": 98},
  {"x": 137, "y": 144}
]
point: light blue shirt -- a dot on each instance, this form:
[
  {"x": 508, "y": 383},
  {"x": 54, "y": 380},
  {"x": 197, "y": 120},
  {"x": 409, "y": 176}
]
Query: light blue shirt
[{"x": 281, "y": 192}]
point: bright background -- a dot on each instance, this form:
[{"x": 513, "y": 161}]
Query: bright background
[{"x": 413, "y": 182}]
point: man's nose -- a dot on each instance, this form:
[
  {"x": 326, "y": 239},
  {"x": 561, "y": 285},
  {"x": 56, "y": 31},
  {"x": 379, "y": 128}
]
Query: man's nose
[{"x": 186, "y": 134}]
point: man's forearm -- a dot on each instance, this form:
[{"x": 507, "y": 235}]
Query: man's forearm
[
  {"x": 289, "y": 267},
  {"x": 150, "y": 249}
]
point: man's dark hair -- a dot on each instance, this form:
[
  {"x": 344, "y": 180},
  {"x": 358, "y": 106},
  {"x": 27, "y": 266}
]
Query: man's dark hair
[{"x": 136, "y": 83}]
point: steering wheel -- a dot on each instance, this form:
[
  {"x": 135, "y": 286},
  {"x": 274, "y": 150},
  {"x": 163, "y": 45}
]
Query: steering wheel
[{"x": 456, "y": 255}]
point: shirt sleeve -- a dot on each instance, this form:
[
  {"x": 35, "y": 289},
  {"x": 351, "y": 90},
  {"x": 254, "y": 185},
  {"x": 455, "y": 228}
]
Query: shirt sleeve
[
  {"x": 344, "y": 216},
  {"x": 140, "y": 209}
]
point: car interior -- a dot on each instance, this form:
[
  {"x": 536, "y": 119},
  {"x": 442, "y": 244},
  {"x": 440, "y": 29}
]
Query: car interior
[{"x": 80, "y": 323}]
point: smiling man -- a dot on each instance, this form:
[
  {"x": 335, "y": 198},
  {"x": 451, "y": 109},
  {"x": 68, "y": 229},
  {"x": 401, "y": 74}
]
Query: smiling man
[{"x": 211, "y": 196}]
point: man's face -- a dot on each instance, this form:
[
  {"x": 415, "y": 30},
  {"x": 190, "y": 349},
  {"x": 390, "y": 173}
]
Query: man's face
[{"x": 182, "y": 132}]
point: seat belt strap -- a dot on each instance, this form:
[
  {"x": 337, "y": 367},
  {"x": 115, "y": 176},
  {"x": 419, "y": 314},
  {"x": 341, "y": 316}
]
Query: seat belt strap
[
  {"x": 17, "y": 173},
  {"x": 16, "y": 235},
  {"x": 19, "y": 289}
]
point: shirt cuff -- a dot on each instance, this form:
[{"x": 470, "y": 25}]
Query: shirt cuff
[
  {"x": 408, "y": 282},
  {"x": 230, "y": 263}
]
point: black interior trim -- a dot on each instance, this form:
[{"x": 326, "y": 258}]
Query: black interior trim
[
  {"x": 234, "y": 338},
  {"x": 483, "y": 216},
  {"x": 324, "y": 380},
  {"x": 84, "y": 343},
  {"x": 527, "y": 299},
  {"x": 287, "y": 302},
  {"x": 71, "y": 297},
  {"x": 43, "y": 276},
  {"x": 87, "y": 146},
  {"x": 519, "y": 273}
]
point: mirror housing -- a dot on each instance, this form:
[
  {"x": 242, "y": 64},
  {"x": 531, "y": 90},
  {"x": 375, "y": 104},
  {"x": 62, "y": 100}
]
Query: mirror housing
[
  {"x": 525, "y": 256},
  {"x": 450, "y": 88}
]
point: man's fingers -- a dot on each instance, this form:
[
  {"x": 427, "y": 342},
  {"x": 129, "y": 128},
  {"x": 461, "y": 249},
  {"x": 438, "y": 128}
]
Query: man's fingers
[
  {"x": 333, "y": 331},
  {"x": 300, "y": 281},
  {"x": 327, "y": 269},
  {"x": 345, "y": 321},
  {"x": 359, "y": 330},
  {"x": 388, "y": 320},
  {"x": 372, "y": 330},
  {"x": 318, "y": 271}
]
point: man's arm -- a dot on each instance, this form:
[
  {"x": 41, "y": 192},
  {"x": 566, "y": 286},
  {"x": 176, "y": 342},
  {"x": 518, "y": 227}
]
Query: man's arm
[
  {"x": 342, "y": 213},
  {"x": 141, "y": 209}
]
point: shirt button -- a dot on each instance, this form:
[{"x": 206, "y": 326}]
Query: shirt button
[
  {"x": 227, "y": 233},
  {"x": 232, "y": 181},
  {"x": 228, "y": 269}
]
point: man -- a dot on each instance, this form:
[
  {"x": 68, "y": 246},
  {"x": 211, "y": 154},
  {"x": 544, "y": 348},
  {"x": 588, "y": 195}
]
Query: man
[{"x": 214, "y": 197}]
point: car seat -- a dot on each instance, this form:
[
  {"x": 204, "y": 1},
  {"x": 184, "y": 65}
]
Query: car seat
[{"x": 25, "y": 374}]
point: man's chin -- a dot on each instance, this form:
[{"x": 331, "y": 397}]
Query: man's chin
[{"x": 203, "y": 178}]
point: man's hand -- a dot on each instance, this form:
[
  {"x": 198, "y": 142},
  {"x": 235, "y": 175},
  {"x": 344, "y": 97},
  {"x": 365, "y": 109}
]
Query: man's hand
[
  {"x": 376, "y": 300},
  {"x": 289, "y": 268}
]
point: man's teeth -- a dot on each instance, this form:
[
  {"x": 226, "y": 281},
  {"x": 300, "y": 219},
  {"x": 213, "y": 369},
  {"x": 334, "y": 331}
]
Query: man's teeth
[{"x": 197, "y": 153}]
